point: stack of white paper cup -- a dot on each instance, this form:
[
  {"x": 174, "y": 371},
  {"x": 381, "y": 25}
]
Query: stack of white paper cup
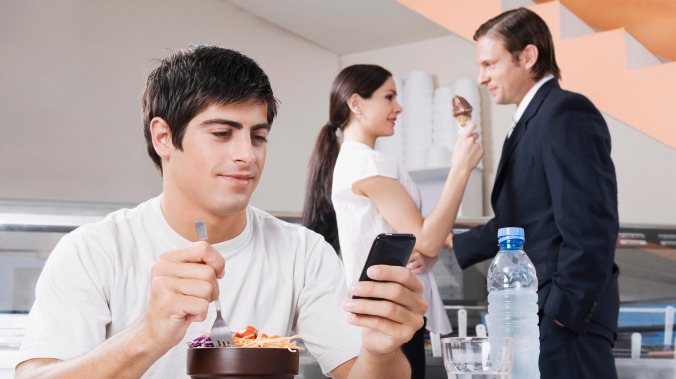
[
  {"x": 417, "y": 117},
  {"x": 469, "y": 89},
  {"x": 444, "y": 130},
  {"x": 437, "y": 156}
]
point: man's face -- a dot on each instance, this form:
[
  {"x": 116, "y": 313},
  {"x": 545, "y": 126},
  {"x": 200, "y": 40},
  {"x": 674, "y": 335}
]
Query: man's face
[
  {"x": 223, "y": 156},
  {"x": 507, "y": 81}
]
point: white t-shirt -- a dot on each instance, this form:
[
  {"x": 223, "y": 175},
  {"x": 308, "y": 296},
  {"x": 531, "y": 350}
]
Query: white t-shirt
[
  {"x": 281, "y": 278},
  {"x": 360, "y": 221}
]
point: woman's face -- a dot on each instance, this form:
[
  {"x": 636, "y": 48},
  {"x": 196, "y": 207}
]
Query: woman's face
[{"x": 380, "y": 111}]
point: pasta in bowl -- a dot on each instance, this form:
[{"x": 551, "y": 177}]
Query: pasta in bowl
[{"x": 255, "y": 355}]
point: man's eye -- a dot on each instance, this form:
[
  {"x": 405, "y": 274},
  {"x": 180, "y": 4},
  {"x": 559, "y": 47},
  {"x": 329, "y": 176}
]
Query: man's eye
[
  {"x": 223, "y": 134},
  {"x": 262, "y": 139}
]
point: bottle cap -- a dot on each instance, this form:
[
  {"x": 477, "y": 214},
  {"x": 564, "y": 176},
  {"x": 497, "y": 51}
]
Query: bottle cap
[{"x": 512, "y": 233}]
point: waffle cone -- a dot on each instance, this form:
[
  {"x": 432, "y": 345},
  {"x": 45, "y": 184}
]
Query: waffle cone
[{"x": 462, "y": 119}]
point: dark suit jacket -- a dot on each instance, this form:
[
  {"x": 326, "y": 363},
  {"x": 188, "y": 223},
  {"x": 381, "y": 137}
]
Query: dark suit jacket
[{"x": 556, "y": 180}]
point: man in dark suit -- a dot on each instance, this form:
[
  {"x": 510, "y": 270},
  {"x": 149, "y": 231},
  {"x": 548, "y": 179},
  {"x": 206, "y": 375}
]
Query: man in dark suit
[{"x": 556, "y": 180}]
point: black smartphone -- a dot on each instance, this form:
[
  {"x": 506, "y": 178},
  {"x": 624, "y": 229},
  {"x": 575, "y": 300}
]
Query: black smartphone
[{"x": 392, "y": 249}]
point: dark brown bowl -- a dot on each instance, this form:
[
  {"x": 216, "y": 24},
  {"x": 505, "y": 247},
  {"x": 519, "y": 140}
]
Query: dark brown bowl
[{"x": 242, "y": 363}]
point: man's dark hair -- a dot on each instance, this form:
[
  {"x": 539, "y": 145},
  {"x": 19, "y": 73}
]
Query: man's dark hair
[
  {"x": 519, "y": 28},
  {"x": 196, "y": 77}
]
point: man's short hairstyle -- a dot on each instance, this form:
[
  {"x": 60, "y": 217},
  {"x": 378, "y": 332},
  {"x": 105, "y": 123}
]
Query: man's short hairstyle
[
  {"x": 519, "y": 28},
  {"x": 196, "y": 77}
]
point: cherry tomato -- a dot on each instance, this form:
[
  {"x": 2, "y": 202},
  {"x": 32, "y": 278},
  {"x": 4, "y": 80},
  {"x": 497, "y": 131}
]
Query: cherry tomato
[{"x": 248, "y": 332}]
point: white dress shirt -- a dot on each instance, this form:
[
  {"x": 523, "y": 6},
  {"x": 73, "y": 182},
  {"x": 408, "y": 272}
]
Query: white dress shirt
[{"x": 525, "y": 101}]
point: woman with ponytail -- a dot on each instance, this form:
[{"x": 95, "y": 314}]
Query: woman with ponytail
[{"x": 355, "y": 193}]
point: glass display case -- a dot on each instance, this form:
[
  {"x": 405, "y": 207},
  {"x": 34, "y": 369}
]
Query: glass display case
[
  {"x": 29, "y": 230},
  {"x": 646, "y": 256},
  {"x": 28, "y": 233}
]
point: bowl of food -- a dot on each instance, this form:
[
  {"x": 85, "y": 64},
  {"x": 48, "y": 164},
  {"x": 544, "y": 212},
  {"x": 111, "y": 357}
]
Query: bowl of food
[{"x": 254, "y": 356}]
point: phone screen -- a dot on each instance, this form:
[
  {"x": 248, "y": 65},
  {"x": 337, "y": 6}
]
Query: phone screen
[{"x": 391, "y": 249}]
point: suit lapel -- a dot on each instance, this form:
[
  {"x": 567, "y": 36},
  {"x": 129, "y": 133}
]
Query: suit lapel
[{"x": 519, "y": 131}]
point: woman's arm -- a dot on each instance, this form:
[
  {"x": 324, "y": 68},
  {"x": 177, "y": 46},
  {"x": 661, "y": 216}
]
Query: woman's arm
[{"x": 400, "y": 211}]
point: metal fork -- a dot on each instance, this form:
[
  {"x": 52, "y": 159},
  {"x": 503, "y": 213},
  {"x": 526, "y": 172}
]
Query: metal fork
[{"x": 220, "y": 332}]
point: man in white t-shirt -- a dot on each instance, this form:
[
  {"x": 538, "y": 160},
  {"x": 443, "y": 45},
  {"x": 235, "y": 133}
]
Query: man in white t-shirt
[{"x": 121, "y": 297}]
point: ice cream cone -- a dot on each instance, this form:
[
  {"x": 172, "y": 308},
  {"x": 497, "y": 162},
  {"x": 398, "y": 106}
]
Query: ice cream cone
[
  {"x": 462, "y": 110},
  {"x": 462, "y": 120}
]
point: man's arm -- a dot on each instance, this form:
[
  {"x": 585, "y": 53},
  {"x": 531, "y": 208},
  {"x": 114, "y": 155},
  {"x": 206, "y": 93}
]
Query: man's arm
[
  {"x": 477, "y": 244},
  {"x": 395, "y": 365},
  {"x": 387, "y": 324},
  {"x": 183, "y": 283},
  {"x": 128, "y": 354}
]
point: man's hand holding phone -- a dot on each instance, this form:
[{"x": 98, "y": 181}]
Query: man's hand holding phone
[{"x": 388, "y": 304}]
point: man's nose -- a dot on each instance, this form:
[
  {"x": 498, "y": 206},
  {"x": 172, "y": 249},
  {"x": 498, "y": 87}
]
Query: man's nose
[
  {"x": 483, "y": 79},
  {"x": 243, "y": 149}
]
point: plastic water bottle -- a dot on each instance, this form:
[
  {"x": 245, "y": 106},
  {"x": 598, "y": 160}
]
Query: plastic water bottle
[{"x": 513, "y": 302}]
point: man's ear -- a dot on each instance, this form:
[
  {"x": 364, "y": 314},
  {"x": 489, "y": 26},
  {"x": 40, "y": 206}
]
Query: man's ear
[
  {"x": 529, "y": 56},
  {"x": 161, "y": 137}
]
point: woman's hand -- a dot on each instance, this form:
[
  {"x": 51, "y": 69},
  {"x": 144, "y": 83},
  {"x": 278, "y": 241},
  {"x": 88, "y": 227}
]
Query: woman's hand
[
  {"x": 448, "y": 243},
  {"x": 419, "y": 263},
  {"x": 467, "y": 151}
]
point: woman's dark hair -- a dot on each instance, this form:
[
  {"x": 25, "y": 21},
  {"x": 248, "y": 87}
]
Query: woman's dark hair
[
  {"x": 519, "y": 28},
  {"x": 196, "y": 77},
  {"x": 318, "y": 212}
]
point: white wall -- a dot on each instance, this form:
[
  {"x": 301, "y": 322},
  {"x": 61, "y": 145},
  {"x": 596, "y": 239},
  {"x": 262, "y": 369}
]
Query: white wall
[
  {"x": 646, "y": 176},
  {"x": 645, "y": 168},
  {"x": 71, "y": 75}
]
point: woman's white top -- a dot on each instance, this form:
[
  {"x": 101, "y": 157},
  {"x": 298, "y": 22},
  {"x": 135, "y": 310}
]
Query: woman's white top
[{"x": 360, "y": 221}]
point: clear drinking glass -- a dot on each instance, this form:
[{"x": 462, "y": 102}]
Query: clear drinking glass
[{"x": 477, "y": 357}]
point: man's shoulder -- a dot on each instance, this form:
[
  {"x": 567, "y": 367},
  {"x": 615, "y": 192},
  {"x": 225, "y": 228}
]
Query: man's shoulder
[
  {"x": 265, "y": 220},
  {"x": 122, "y": 219},
  {"x": 273, "y": 227},
  {"x": 563, "y": 98}
]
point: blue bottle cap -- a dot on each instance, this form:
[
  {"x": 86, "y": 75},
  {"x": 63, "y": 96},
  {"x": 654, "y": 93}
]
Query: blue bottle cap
[{"x": 511, "y": 232}]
